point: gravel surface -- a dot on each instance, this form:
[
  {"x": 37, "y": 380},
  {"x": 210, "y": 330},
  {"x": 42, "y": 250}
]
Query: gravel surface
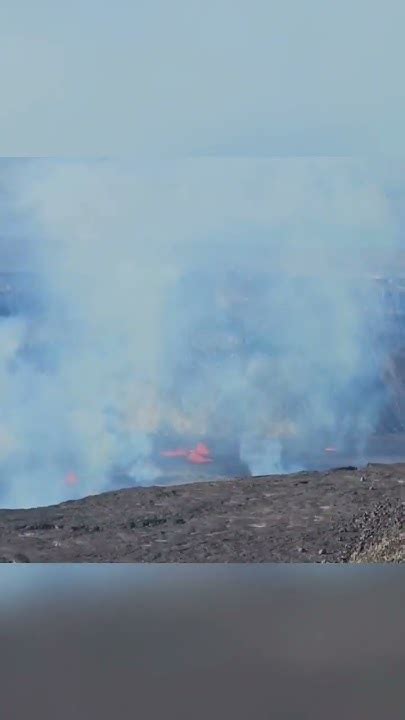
[{"x": 332, "y": 516}]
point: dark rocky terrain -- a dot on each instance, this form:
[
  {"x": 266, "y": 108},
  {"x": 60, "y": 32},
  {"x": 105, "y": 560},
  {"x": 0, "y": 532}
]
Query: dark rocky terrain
[{"x": 339, "y": 515}]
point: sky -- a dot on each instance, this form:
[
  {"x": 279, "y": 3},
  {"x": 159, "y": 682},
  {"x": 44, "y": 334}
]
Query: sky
[{"x": 216, "y": 77}]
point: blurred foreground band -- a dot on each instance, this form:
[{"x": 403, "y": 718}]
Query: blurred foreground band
[{"x": 207, "y": 641}]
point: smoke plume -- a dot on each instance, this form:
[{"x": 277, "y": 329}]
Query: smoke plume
[{"x": 223, "y": 298}]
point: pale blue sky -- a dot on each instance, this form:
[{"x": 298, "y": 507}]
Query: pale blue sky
[{"x": 291, "y": 77}]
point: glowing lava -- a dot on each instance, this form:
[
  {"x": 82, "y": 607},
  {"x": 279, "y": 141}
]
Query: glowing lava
[
  {"x": 71, "y": 479},
  {"x": 199, "y": 455}
]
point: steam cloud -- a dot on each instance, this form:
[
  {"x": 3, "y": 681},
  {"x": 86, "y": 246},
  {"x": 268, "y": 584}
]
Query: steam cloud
[{"x": 135, "y": 267}]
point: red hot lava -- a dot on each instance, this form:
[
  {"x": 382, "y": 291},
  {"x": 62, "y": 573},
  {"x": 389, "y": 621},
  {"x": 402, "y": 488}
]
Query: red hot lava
[
  {"x": 71, "y": 479},
  {"x": 198, "y": 456}
]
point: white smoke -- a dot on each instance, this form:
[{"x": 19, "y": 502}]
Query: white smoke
[{"x": 112, "y": 244}]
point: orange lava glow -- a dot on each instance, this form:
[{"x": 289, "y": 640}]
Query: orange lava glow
[
  {"x": 198, "y": 455},
  {"x": 71, "y": 479}
]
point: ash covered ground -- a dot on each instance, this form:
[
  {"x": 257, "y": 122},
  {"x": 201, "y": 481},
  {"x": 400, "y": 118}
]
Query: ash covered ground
[{"x": 341, "y": 515}]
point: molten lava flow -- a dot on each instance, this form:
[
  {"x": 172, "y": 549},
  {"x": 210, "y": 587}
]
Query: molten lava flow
[
  {"x": 71, "y": 479},
  {"x": 202, "y": 450},
  {"x": 198, "y": 455}
]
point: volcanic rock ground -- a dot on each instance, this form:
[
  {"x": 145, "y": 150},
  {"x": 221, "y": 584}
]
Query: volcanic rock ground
[{"x": 339, "y": 515}]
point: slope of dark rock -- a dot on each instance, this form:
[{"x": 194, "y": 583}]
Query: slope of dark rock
[{"x": 305, "y": 517}]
